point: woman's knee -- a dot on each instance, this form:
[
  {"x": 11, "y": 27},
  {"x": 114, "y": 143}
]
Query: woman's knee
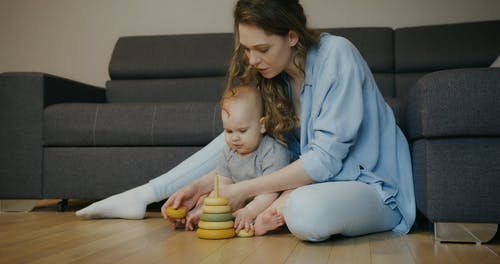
[
  {"x": 304, "y": 213},
  {"x": 317, "y": 211}
]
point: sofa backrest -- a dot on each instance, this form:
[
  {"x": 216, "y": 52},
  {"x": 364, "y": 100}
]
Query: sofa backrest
[
  {"x": 192, "y": 67},
  {"x": 424, "y": 49},
  {"x": 169, "y": 68}
]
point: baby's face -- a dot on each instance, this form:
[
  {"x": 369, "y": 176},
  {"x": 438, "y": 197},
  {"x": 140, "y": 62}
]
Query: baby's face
[{"x": 243, "y": 127}]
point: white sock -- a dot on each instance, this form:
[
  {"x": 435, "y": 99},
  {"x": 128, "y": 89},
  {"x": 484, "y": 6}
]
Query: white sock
[{"x": 130, "y": 204}]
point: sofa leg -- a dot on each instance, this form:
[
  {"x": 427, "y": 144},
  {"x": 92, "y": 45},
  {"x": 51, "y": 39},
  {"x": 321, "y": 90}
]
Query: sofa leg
[
  {"x": 464, "y": 232},
  {"x": 62, "y": 205}
]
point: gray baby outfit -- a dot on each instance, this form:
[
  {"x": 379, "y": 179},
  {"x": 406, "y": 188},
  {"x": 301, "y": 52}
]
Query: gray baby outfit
[{"x": 269, "y": 156}]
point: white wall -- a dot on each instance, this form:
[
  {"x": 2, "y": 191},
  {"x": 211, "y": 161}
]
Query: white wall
[{"x": 74, "y": 39}]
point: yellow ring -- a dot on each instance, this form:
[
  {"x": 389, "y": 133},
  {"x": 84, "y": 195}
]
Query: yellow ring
[
  {"x": 215, "y": 225},
  {"x": 216, "y": 209},
  {"x": 244, "y": 233},
  {"x": 215, "y": 234},
  {"x": 176, "y": 213},
  {"x": 216, "y": 201}
]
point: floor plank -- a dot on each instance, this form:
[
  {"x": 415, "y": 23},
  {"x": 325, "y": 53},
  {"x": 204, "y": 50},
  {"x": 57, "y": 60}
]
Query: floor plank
[
  {"x": 274, "y": 249},
  {"x": 89, "y": 242},
  {"x": 472, "y": 253},
  {"x": 426, "y": 251},
  {"x": 389, "y": 247},
  {"x": 236, "y": 251},
  {"x": 47, "y": 236},
  {"x": 494, "y": 244},
  {"x": 307, "y": 252},
  {"x": 355, "y": 250},
  {"x": 116, "y": 252}
]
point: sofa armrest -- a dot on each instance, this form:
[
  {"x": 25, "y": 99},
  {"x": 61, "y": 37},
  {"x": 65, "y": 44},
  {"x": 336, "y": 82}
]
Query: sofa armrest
[
  {"x": 455, "y": 103},
  {"x": 49, "y": 89},
  {"x": 23, "y": 96}
]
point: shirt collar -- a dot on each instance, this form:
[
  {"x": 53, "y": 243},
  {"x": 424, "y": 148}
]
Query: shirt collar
[
  {"x": 312, "y": 54},
  {"x": 311, "y": 57}
]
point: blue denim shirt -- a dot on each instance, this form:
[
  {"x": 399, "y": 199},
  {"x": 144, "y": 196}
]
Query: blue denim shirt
[{"x": 348, "y": 132}]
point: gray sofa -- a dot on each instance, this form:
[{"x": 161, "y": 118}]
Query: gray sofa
[{"x": 64, "y": 139}]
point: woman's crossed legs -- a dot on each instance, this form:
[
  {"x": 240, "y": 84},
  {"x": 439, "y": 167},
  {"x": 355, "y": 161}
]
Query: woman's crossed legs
[{"x": 317, "y": 211}]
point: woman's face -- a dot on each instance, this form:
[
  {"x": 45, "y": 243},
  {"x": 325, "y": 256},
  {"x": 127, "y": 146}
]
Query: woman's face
[{"x": 269, "y": 54}]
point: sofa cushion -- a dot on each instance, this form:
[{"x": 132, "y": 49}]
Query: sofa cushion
[
  {"x": 98, "y": 172},
  {"x": 397, "y": 106},
  {"x": 171, "y": 56},
  {"x": 201, "y": 89},
  {"x": 404, "y": 81},
  {"x": 432, "y": 48},
  {"x": 462, "y": 102},
  {"x": 424, "y": 49},
  {"x": 376, "y": 45},
  {"x": 147, "y": 124}
]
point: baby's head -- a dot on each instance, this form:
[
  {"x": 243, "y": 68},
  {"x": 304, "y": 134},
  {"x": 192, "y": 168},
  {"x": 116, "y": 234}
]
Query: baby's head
[{"x": 242, "y": 118}]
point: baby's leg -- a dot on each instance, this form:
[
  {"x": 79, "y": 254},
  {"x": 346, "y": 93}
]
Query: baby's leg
[{"x": 271, "y": 218}]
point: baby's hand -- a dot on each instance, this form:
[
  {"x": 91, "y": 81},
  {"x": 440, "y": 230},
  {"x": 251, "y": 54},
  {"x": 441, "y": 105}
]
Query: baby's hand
[
  {"x": 177, "y": 222},
  {"x": 243, "y": 220},
  {"x": 193, "y": 217}
]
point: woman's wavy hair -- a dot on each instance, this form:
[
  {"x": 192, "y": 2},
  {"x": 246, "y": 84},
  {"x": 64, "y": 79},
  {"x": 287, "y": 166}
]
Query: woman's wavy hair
[{"x": 277, "y": 17}]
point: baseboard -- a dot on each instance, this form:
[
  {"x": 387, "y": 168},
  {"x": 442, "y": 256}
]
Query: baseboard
[{"x": 17, "y": 205}]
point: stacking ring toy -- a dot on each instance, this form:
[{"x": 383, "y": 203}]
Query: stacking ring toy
[
  {"x": 244, "y": 233},
  {"x": 215, "y": 234},
  {"x": 216, "y": 225},
  {"x": 216, "y": 201},
  {"x": 216, "y": 209},
  {"x": 216, "y": 217},
  {"x": 216, "y": 221},
  {"x": 176, "y": 213}
]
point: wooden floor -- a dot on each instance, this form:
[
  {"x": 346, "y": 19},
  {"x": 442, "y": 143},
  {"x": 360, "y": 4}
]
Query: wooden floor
[{"x": 47, "y": 236}]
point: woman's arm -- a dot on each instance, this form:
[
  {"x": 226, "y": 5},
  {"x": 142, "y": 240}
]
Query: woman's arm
[
  {"x": 289, "y": 177},
  {"x": 204, "y": 184}
]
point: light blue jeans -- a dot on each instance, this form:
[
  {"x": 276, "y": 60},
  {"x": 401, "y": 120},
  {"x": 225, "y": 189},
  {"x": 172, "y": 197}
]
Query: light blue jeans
[
  {"x": 197, "y": 165},
  {"x": 350, "y": 208},
  {"x": 313, "y": 212}
]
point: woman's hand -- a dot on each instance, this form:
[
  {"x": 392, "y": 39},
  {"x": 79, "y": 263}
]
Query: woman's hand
[
  {"x": 193, "y": 216},
  {"x": 236, "y": 196},
  {"x": 185, "y": 197}
]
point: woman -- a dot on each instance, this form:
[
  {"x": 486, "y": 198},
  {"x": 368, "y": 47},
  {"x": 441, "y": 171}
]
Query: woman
[{"x": 344, "y": 135}]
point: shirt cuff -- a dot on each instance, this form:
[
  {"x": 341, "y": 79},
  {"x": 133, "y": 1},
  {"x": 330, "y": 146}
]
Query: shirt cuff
[{"x": 311, "y": 162}]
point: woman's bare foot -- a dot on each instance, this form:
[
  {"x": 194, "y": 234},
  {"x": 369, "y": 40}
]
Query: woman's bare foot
[{"x": 267, "y": 221}]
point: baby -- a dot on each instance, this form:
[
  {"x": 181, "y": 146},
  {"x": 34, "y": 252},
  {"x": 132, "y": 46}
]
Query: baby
[{"x": 249, "y": 153}]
